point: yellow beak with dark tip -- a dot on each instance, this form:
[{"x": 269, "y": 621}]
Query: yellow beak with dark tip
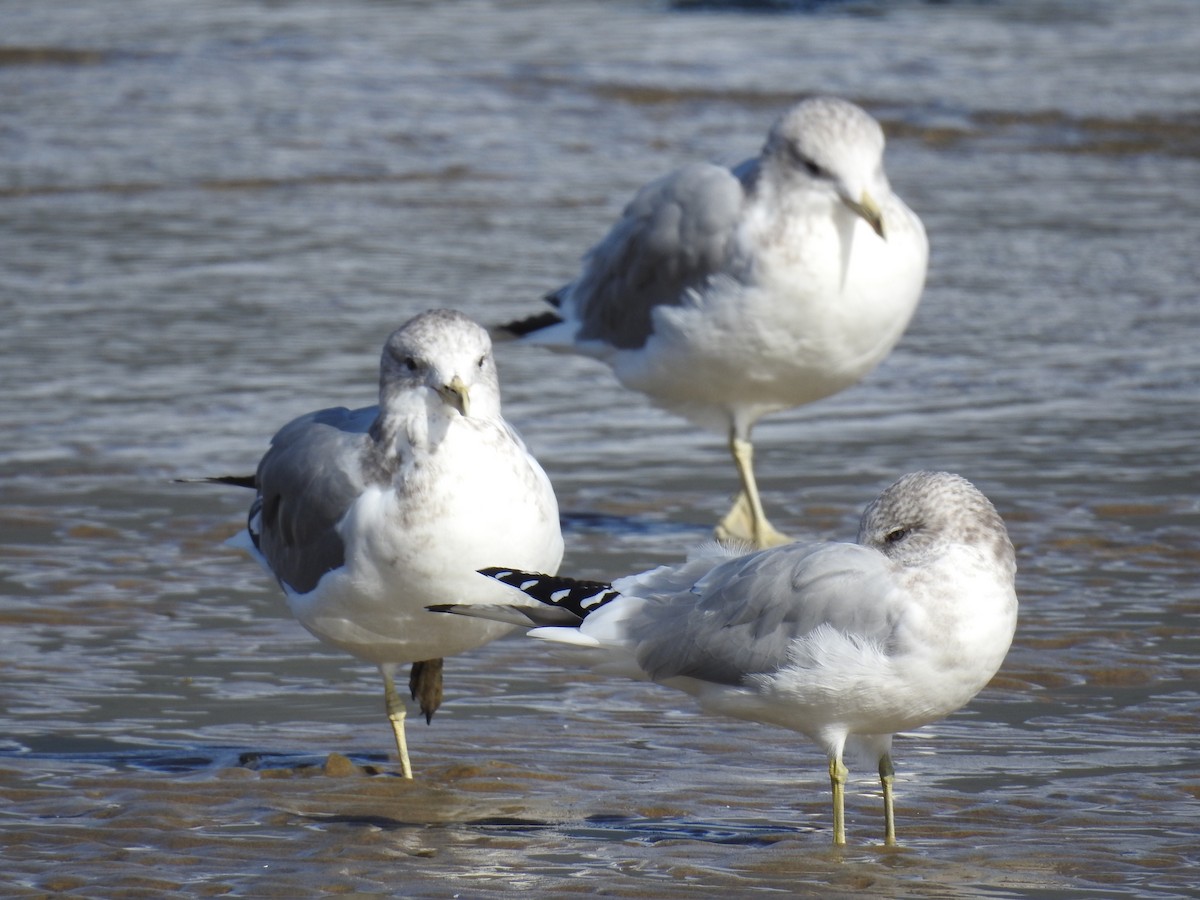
[
  {"x": 869, "y": 210},
  {"x": 456, "y": 394}
]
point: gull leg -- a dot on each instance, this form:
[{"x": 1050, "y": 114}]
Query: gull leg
[
  {"x": 837, "y": 778},
  {"x": 746, "y": 522},
  {"x": 886, "y": 776},
  {"x": 396, "y": 714},
  {"x": 425, "y": 683}
]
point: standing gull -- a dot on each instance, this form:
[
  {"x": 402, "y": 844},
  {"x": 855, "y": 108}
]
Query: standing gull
[
  {"x": 724, "y": 295},
  {"x": 368, "y": 516},
  {"x": 845, "y": 643}
]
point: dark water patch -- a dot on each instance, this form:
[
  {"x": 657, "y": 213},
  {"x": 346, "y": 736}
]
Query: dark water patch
[
  {"x": 651, "y": 831},
  {"x": 509, "y": 825},
  {"x": 496, "y": 825},
  {"x": 65, "y": 753},
  {"x": 1057, "y": 130},
  {"x": 656, "y": 95},
  {"x": 49, "y": 56},
  {"x": 68, "y": 754},
  {"x": 611, "y": 523},
  {"x": 1047, "y": 131}
]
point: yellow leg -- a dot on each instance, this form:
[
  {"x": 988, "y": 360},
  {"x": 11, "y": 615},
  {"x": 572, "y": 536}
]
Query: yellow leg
[
  {"x": 886, "y": 776},
  {"x": 837, "y": 778},
  {"x": 746, "y": 522},
  {"x": 396, "y": 714}
]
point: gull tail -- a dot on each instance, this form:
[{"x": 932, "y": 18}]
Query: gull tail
[{"x": 563, "y": 602}]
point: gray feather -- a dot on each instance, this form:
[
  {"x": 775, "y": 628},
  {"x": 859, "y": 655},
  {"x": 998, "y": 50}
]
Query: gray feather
[
  {"x": 673, "y": 236},
  {"x": 742, "y": 617},
  {"x": 307, "y": 480}
]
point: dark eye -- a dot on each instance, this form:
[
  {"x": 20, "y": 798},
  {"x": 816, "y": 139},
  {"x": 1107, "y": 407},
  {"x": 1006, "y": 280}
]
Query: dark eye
[
  {"x": 895, "y": 536},
  {"x": 482, "y": 360},
  {"x": 808, "y": 165},
  {"x": 410, "y": 364}
]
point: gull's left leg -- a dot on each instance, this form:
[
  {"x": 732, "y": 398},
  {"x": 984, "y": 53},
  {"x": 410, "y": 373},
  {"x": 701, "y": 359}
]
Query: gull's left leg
[
  {"x": 746, "y": 522},
  {"x": 886, "y": 776},
  {"x": 837, "y": 778}
]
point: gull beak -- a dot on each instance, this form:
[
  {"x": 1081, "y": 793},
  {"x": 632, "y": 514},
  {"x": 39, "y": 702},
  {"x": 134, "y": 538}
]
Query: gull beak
[
  {"x": 456, "y": 394},
  {"x": 866, "y": 207}
]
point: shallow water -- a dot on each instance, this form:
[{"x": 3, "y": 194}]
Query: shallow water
[{"x": 212, "y": 214}]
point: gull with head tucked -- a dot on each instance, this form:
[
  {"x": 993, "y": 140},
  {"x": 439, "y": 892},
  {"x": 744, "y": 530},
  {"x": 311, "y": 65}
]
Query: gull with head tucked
[
  {"x": 846, "y": 643},
  {"x": 368, "y": 516},
  {"x": 724, "y": 295}
]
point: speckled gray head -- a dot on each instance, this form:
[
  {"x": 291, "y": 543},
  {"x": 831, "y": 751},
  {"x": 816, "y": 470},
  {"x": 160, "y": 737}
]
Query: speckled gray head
[
  {"x": 831, "y": 142},
  {"x": 924, "y": 511},
  {"x": 826, "y": 128},
  {"x": 446, "y": 351}
]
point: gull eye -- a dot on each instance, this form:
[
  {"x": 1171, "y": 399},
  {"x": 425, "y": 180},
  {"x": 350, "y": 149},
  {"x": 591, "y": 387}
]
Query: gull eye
[
  {"x": 410, "y": 364},
  {"x": 896, "y": 535},
  {"x": 807, "y": 164},
  {"x": 482, "y": 360}
]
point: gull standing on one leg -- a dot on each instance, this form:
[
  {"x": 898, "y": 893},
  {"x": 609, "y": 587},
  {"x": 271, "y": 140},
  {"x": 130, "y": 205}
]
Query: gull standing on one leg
[
  {"x": 368, "y": 516},
  {"x": 724, "y": 295},
  {"x": 844, "y": 643}
]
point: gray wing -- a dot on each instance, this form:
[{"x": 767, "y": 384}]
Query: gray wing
[
  {"x": 673, "y": 236},
  {"x": 306, "y": 482},
  {"x": 741, "y": 618}
]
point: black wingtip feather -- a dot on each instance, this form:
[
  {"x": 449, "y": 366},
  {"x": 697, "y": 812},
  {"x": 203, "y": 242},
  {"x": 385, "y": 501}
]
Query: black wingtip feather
[
  {"x": 521, "y": 327},
  {"x": 581, "y": 598},
  {"x": 242, "y": 481}
]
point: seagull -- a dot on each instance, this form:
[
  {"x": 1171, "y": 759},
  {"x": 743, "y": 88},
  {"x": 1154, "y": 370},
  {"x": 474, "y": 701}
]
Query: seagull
[
  {"x": 367, "y": 516},
  {"x": 726, "y": 294},
  {"x": 845, "y": 643}
]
